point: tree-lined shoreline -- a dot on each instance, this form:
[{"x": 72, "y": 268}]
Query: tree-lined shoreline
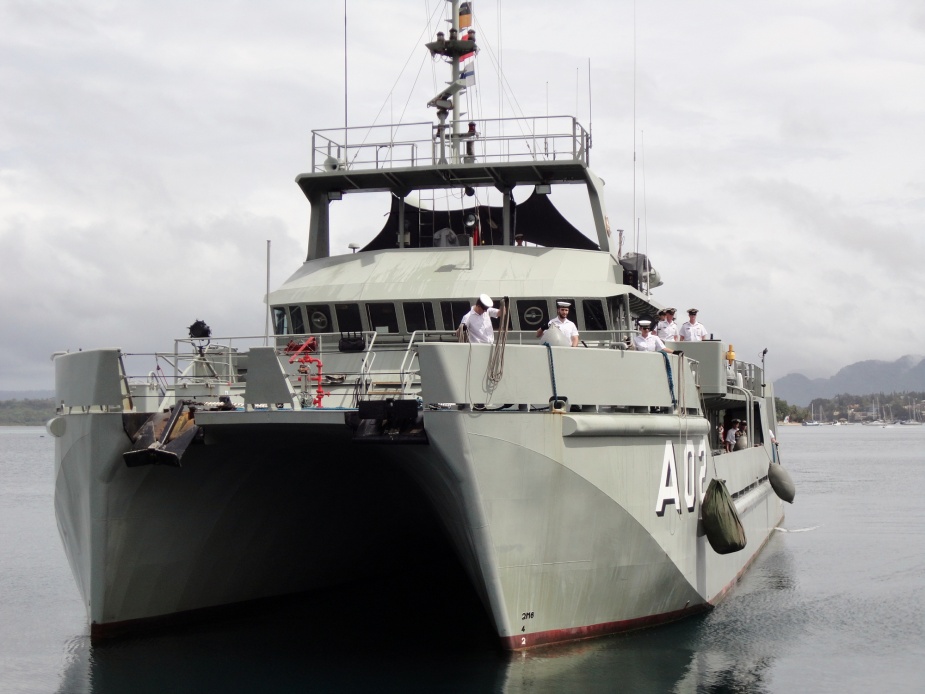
[
  {"x": 26, "y": 412},
  {"x": 853, "y": 409}
]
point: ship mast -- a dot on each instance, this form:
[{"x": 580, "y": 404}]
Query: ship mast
[{"x": 457, "y": 48}]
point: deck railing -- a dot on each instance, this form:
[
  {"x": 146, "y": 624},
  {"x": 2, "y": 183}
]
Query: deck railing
[
  {"x": 222, "y": 362},
  {"x": 493, "y": 140}
]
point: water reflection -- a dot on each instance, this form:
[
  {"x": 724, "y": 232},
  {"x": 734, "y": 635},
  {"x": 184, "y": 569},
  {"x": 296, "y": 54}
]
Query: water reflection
[{"x": 376, "y": 638}]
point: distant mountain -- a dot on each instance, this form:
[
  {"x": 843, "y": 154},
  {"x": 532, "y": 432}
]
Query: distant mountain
[
  {"x": 863, "y": 378},
  {"x": 26, "y": 394}
]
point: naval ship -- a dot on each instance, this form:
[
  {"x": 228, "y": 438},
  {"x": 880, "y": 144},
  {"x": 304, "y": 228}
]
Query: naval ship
[{"x": 568, "y": 481}]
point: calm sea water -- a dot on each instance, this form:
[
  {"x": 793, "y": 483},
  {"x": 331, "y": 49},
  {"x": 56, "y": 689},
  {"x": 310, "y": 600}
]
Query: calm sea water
[{"x": 835, "y": 603}]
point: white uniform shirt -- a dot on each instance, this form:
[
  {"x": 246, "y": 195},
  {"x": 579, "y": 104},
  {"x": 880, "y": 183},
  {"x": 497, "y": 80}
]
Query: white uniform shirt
[
  {"x": 731, "y": 435},
  {"x": 568, "y": 328},
  {"x": 693, "y": 333},
  {"x": 479, "y": 326},
  {"x": 667, "y": 331},
  {"x": 649, "y": 343}
]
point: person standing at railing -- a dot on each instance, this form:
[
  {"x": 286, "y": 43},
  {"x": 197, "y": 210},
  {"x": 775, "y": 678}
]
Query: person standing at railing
[
  {"x": 692, "y": 330},
  {"x": 667, "y": 329},
  {"x": 470, "y": 137},
  {"x": 562, "y": 323},
  {"x": 646, "y": 341},
  {"x": 477, "y": 323}
]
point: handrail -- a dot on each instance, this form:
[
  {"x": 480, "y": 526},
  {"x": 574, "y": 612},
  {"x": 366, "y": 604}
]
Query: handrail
[{"x": 562, "y": 138}]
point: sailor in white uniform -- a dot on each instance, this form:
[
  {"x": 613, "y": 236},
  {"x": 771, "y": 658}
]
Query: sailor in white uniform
[
  {"x": 647, "y": 341},
  {"x": 561, "y": 321},
  {"x": 692, "y": 331},
  {"x": 478, "y": 321},
  {"x": 668, "y": 329}
]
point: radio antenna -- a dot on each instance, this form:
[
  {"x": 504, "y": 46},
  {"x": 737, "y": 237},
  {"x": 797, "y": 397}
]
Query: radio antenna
[
  {"x": 634, "y": 122},
  {"x": 590, "y": 118},
  {"x": 345, "y": 81}
]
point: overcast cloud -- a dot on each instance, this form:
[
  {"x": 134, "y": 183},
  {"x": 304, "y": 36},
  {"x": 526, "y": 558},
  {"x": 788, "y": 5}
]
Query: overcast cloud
[{"x": 148, "y": 151}]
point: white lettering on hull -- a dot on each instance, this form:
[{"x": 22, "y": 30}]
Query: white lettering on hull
[{"x": 695, "y": 476}]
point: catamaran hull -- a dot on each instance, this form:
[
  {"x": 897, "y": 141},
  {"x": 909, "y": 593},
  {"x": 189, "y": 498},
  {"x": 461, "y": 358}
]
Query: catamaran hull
[{"x": 562, "y": 536}]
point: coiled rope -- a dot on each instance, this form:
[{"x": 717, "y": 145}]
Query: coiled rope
[{"x": 496, "y": 356}]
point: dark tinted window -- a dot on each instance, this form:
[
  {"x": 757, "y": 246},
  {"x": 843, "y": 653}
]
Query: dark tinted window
[
  {"x": 348, "y": 318},
  {"x": 382, "y": 317},
  {"x": 452, "y": 313},
  {"x": 319, "y": 319},
  {"x": 419, "y": 316},
  {"x": 280, "y": 323},
  {"x": 295, "y": 315},
  {"x": 593, "y": 313},
  {"x": 532, "y": 313}
]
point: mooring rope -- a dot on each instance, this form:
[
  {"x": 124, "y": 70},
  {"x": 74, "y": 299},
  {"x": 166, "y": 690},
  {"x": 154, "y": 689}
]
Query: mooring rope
[
  {"x": 496, "y": 357},
  {"x": 552, "y": 375},
  {"x": 674, "y": 400}
]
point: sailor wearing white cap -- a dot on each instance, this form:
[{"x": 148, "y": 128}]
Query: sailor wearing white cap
[
  {"x": 692, "y": 330},
  {"x": 564, "y": 325},
  {"x": 667, "y": 329},
  {"x": 647, "y": 341},
  {"x": 478, "y": 321}
]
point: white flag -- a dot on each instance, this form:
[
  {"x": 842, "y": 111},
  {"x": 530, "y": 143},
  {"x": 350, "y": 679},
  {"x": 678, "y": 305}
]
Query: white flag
[{"x": 467, "y": 74}]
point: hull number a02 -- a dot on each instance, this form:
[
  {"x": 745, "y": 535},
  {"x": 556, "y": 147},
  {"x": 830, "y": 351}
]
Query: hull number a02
[{"x": 695, "y": 477}]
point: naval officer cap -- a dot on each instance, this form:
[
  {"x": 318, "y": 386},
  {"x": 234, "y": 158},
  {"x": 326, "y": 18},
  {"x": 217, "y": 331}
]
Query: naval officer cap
[
  {"x": 645, "y": 323},
  {"x": 486, "y": 301},
  {"x": 564, "y": 304},
  {"x": 692, "y": 311}
]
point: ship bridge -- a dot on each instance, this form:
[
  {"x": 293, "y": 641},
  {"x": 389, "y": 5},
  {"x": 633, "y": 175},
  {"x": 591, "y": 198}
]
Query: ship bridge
[{"x": 499, "y": 153}]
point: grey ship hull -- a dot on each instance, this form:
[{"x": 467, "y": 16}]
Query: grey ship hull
[{"x": 555, "y": 516}]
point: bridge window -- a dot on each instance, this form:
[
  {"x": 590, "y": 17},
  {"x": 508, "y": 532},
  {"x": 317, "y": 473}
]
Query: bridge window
[
  {"x": 453, "y": 312},
  {"x": 382, "y": 317},
  {"x": 280, "y": 321},
  {"x": 295, "y": 315},
  {"x": 348, "y": 318},
  {"x": 532, "y": 313},
  {"x": 319, "y": 319},
  {"x": 419, "y": 315},
  {"x": 593, "y": 313}
]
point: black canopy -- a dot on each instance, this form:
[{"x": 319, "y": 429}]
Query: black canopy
[{"x": 536, "y": 218}]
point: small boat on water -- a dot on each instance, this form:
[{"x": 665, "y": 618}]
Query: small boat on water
[
  {"x": 567, "y": 479},
  {"x": 811, "y": 422}
]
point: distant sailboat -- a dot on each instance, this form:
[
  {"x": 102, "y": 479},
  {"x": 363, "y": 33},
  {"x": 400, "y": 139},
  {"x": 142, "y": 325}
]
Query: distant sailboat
[{"x": 914, "y": 421}]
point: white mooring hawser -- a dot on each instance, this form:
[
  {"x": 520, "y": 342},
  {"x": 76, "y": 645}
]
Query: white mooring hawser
[{"x": 568, "y": 480}]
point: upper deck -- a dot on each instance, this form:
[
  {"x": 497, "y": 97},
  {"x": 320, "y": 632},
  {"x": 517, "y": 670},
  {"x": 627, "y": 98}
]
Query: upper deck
[{"x": 500, "y": 153}]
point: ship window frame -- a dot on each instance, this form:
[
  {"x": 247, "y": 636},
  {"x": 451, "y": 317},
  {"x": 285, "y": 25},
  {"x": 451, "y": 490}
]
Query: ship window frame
[
  {"x": 298, "y": 326},
  {"x": 325, "y": 310},
  {"x": 280, "y": 321},
  {"x": 523, "y": 305},
  {"x": 427, "y": 309},
  {"x": 390, "y": 324},
  {"x": 447, "y": 309},
  {"x": 348, "y": 312},
  {"x": 602, "y": 315}
]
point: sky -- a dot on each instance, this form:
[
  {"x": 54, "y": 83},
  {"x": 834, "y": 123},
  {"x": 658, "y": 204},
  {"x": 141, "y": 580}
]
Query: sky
[{"x": 148, "y": 152}]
